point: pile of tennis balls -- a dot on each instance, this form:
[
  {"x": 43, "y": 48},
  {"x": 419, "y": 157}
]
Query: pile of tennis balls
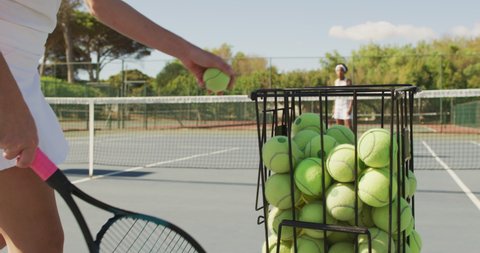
[{"x": 339, "y": 158}]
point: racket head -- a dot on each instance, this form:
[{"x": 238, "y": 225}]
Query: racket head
[
  {"x": 143, "y": 233},
  {"x": 126, "y": 231}
]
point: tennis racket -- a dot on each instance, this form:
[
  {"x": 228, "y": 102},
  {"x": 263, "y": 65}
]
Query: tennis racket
[{"x": 125, "y": 231}]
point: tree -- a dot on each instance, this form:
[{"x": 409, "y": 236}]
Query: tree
[
  {"x": 246, "y": 65},
  {"x": 224, "y": 51},
  {"x": 171, "y": 71},
  {"x": 257, "y": 80},
  {"x": 182, "y": 85},
  {"x": 65, "y": 20},
  {"x": 84, "y": 39},
  {"x": 104, "y": 44},
  {"x": 59, "y": 45},
  {"x": 131, "y": 82}
]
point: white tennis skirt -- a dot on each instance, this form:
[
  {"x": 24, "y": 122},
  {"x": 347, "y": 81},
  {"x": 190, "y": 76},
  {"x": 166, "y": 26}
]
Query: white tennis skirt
[
  {"x": 22, "y": 48},
  {"x": 341, "y": 109}
]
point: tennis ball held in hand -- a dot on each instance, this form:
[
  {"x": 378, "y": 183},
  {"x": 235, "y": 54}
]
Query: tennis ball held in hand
[{"x": 215, "y": 80}]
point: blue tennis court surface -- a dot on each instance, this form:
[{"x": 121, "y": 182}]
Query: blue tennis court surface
[
  {"x": 217, "y": 204},
  {"x": 192, "y": 185}
]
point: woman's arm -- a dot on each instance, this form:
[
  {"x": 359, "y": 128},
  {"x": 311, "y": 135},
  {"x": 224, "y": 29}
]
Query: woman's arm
[
  {"x": 126, "y": 20},
  {"x": 18, "y": 133}
]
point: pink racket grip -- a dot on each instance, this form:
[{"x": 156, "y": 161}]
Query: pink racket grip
[{"x": 43, "y": 166}]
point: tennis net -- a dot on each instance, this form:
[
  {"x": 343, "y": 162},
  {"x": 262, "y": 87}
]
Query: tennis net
[{"x": 220, "y": 132}]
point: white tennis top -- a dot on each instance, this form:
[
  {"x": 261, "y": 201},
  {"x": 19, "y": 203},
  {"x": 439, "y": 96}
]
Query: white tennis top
[
  {"x": 24, "y": 28},
  {"x": 341, "y": 103}
]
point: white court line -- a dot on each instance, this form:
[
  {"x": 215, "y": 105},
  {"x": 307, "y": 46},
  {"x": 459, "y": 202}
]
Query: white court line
[
  {"x": 455, "y": 177},
  {"x": 153, "y": 165},
  {"x": 431, "y": 129},
  {"x": 101, "y": 139},
  {"x": 476, "y": 143}
]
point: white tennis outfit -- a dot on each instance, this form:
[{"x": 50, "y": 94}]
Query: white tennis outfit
[
  {"x": 24, "y": 27},
  {"x": 341, "y": 103}
]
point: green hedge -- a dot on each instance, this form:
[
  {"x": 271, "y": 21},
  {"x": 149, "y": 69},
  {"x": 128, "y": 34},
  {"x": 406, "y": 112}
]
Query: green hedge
[{"x": 53, "y": 87}]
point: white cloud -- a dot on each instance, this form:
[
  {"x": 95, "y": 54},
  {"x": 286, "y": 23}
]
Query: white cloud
[
  {"x": 382, "y": 30},
  {"x": 462, "y": 31}
]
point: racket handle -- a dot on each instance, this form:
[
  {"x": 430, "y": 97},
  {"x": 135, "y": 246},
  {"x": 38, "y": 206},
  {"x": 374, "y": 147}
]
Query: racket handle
[{"x": 42, "y": 165}]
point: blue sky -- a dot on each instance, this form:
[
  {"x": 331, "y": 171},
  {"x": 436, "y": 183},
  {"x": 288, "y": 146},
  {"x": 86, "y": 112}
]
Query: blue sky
[{"x": 310, "y": 28}]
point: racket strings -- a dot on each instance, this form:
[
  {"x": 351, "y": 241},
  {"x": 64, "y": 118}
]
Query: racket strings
[{"x": 138, "y": 235}]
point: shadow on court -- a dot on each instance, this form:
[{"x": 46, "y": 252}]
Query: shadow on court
[{"x": 103, "y": 172}]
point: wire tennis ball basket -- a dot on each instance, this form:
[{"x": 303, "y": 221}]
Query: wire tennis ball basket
[{"x": 312, "y": 217}]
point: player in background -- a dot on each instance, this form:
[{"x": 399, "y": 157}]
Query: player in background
[{"x": 342, "y": 108}]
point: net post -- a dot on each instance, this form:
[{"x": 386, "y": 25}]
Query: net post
[{"x": 91, "y": 134}]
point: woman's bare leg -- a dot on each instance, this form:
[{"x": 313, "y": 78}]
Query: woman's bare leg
[
  {"x": 29, "y": 219},
  {"x": 348, "y": 123}
]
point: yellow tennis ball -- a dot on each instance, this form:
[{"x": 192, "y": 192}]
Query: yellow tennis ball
[
  {"x": 342, "y": 134},
  {"x": 284, "y": 248},
  {"x": 309, "y": 177},
  {"x": 412, "y": 184},
  {"x": 313, "y": 212},
  {"x": 407, "y": 186},
  {"x": 373, "y": 187},
  {"x": 307, "y": 199},
  {"x": 307, "y": 120},
  {"x": 407, "y": 248},
  {"x": 374, "y": 147},
  {"x": 380, "y": 240},
  {"x": 303, "y": 137},
  {"x": 342, "y": 247},
  {"x": 410, "y": 227},
  {"x": 276, "y": 216},
  {"x": 341, "y": 163},
  {"x": 276, "y": 154},
  {"x": 272, "y": 245},
  {"x": 314, "y": 147},
  {"x": 364, "y": 217},
  {"x": 336, "y": 237},
  {"x": 277, "y": 191},
  {"x": 408, "y": 230},
  {"x": 340, "y": 201},
  {"x": 307, "y": 244},
  {"x": 215, "y": 80},
  {"x": 381, "y": 217},
  {"x": 415, "y": 242}
]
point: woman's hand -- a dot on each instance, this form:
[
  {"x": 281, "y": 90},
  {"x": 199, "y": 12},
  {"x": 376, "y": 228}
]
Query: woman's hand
[
  {"x": 18, "y": 132},
  {"x": 198, "y": 60}
]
